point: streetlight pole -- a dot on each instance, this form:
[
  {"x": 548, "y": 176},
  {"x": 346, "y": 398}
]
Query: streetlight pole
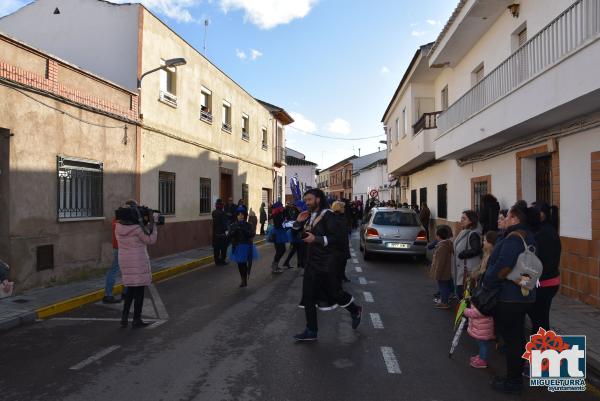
[{"x": 174, "y": 62}]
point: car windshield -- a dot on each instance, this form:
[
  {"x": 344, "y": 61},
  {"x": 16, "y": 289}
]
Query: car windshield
[{"x": 395, "y": 219}]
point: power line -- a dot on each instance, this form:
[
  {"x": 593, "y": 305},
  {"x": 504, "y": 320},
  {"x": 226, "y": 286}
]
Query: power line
[{"x": 334, "y": 137}]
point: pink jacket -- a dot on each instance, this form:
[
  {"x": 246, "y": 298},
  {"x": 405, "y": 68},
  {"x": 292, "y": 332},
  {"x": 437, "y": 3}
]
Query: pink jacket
[
  {"x": 133, "y": 255},
  {"x": 481, "y": 327}
]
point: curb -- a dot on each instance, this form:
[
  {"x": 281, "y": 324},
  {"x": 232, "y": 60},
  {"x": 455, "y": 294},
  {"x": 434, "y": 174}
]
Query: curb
[{"x": 95, "y": 296}]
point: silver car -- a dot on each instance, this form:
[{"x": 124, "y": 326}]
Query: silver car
[{"x": 386, "y": 230}]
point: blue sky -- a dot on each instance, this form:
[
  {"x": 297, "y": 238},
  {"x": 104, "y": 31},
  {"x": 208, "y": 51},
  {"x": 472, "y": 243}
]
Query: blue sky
[{"x": 333, "y": 64}]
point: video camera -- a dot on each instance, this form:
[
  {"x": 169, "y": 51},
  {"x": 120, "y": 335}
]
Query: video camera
[{"x": 138, "y": 215}]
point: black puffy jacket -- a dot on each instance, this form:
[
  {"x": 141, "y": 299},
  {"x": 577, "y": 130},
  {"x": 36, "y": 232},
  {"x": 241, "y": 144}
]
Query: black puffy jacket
[
  {"x": 241, "y": 232},
  {"x": 323, "y": 257},
  {"x": 548, "y": 249}
]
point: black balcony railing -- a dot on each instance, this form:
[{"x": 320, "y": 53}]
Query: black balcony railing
[
  {"x": 206, "y": 115},
  {"x": 226, "y": 127},
  {"x": 245, "y": 135},
  {"x": 427, "y": 121},
  {"x": 280, "y": 155}
]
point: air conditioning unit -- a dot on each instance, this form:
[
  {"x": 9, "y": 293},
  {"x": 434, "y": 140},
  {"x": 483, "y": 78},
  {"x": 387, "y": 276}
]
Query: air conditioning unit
[
  {"x": 168, "y": 98},
  {"x": 404, "y": 182}
]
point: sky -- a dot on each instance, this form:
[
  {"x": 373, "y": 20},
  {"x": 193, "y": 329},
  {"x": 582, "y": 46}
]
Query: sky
[{"x": 332, "y": 64}]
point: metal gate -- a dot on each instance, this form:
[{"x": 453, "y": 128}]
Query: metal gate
[{"x": 543, "y": 179}]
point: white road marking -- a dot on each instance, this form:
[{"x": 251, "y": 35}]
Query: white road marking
[
  {"x": 156, "y": 324},
  {"x": 376, "y": 320},
  {"x": 98, "y": 319},
  {"x": 390, "y": 360},
  {"x": 354, "y": 260},
  {"x": 368, "y": 296},
  {"x": 358, "y": 269},
  {"x": 95, "y": 357},
  {"x": 362, "y": 280},
  {"x": 161, "y": 311}
]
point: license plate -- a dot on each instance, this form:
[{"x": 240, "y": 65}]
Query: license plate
[{"x": 397, "y": 245}]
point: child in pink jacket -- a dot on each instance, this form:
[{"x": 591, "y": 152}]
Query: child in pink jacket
[{"x": 481, "y": 328}]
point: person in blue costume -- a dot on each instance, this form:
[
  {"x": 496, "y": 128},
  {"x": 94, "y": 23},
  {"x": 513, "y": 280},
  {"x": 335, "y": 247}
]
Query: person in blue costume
[{"x": 242, "y": 251}]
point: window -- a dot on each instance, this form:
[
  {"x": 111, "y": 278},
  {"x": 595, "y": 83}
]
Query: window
[
  {"x": 442, "y": 201},
  {"x": 477, "y": 75},
  {"x": 404, "y": 123},
  {"x": 168, "y": 85},
  {"x": 245, "y": 127},
  {"x": 204, "y": 195},
  {"x": 206, "y": 105},
  {"x": 265, "y": 139},
  {"x": 226, "y": 117},
  {"x": 79, "y": 188},
  {"x": 423, "y": 195},
  {"x": 479, "y": 186},
  {"x": 444, "y": 98},
  {"x": 395, "y": 219},
  {"x": 522, "y": 37},
  {"x": 245, "y": 194},
  {"x": 166, "y": 192},
  {"x": 397, "y": 130}
]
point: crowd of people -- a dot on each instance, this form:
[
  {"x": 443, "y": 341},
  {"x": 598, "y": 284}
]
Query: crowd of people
[{"x": 480, "y": 257}]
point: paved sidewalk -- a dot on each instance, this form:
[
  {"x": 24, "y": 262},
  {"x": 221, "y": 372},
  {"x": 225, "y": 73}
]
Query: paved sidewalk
[{"x": 24, "y": 308}]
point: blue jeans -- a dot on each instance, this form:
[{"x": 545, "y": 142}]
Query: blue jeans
[
  {"x": 484, "y": 349},
  {"x": 445, "y": 287},
  {"x": 111, "y": 276}
]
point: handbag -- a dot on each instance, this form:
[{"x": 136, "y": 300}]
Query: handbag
[{"x": 485, "y": 299}]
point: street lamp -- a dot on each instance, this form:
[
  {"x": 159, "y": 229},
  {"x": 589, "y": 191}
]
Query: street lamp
[{"x": 173, "y": 62}]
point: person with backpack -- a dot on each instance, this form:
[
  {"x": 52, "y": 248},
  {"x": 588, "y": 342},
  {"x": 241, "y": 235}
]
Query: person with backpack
[
  {"x": 513, "y": 301},
  {"x": 467, "y": 251}
]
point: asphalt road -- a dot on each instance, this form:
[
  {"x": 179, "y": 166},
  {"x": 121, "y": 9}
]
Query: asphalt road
[{"x": 214, "y": 341}]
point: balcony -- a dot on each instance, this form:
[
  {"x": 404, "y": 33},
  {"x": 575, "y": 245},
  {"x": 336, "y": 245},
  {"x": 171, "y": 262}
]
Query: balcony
[
  {"x": 265, "y": 146},
  {"x": 245, "y": 135},
  {"x": 427, "y": 121},
  {"x": 549, "y": 80},
  {"x": 226, "y": 127},
  {"x": 206, "y": 115},
  {"x": 279, "y": 156}
]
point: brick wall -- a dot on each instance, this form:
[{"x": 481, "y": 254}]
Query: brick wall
[
  {"x": 580, "y": 260},
  {"x": 51, "y": 83}
]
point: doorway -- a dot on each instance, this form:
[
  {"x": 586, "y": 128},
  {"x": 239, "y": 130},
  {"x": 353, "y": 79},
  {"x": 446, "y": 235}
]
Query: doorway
[
  {"x": 226, "y": 186},
  {"x": 266, "y": 196},
  {"x": 543, "y": 179},
  {"x": 413, "y": 197},
  {"x": 422, "y": 196}
]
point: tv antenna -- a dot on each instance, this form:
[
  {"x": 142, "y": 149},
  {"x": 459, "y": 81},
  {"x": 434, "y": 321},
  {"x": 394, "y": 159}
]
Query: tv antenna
[{"x": 206, "y": 22}]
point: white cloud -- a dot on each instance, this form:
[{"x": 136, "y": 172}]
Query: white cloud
[
  {"x": 339, "y": 126},
  {"x": 254, "y": 54},
  {"x": 267, "y": 14},
  {"x": 10, "y": 6},
  {"x": 418, "y": 33},
  {"x": 301, "y": 123},
  {"x": 240, "y": 54},
  {"x": 178, "y": 10},
  {"x": 432, "y": 22},
  {"x": 384, "y": 70}
]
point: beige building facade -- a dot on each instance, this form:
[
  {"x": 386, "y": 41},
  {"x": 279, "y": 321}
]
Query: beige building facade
[{"x": 67, "y": 160}]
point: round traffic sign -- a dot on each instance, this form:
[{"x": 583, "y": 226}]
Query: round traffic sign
[{"x": 374, "y": 193}]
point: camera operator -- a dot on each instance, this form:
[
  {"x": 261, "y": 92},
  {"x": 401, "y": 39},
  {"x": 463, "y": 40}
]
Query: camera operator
[{"x": 134, "y": 261}]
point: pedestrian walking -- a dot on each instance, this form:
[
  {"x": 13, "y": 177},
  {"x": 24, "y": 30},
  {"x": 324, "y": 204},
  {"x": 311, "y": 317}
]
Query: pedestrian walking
[
  {"x": 263, "y": 218},
  {"x": 294, "y": 236},
  {"x": 320, "y": 285},
  {"x": 425, "y": 217},
  {"x": 220, "y": 223},
  {"x": 135, "y": 265},
  {"x": 441, "y": 265},
  {"x": 111, "y": 275},
  {"x": 343, "y": 251},
  {"x": 278, "y": 235},
  {"x": 243, "y": 251},
  {"x": 490, "y": 209},
  {"x": 548, "y": 250},
  {"x": 467, "y": 250},
  {"x": 513, "y": 303}
]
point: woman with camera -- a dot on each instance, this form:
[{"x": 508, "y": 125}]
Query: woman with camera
[
  {"x": 133, "y": 239},
  {"x": 243, "y": 251}
]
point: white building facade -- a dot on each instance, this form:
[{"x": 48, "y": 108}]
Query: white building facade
[
  {"x": 507, "y": 101},
  {"x": 370, "y": 173},
  {"x": 304, "y": 170}
]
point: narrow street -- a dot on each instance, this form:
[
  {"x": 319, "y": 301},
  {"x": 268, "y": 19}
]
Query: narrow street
[{"x": 213, "y": 341}]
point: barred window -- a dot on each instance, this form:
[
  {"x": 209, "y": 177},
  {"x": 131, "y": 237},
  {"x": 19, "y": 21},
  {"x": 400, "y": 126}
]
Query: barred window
[
  {"x": 204, "y": 195},
  {"x": 245, "y": 194},
  {"x": 79, "y": 188},
  {"x": 166, "y": 192}
]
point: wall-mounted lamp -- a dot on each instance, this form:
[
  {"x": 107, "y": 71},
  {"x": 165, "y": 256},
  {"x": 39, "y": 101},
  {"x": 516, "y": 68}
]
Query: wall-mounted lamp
[{"x": 513, "y": 9}]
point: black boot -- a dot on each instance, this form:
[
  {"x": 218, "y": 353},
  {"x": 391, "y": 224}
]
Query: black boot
[
  {"x": 125, "y": 319},
  {"x": 138, "y": 323}
]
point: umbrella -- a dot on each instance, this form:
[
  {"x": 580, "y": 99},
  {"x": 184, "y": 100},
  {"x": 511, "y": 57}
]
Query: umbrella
[
  {"x": 460, "y": 318},
  {"x": 456, "y": 339}
]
